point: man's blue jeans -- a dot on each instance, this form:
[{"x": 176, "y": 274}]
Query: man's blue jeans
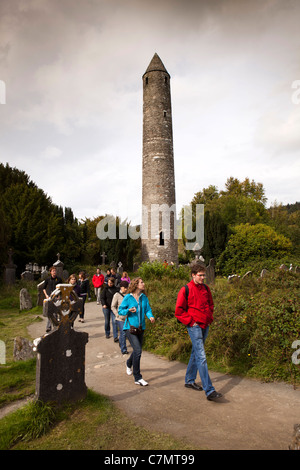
[
  {"x": 198, "y": 359},
  {"x": 107, "y": 314}
]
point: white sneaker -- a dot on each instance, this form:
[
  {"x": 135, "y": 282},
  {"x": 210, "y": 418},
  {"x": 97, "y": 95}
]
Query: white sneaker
[
  {"x": 128, "y": 371},
  {"x": 141, "y": 382}
]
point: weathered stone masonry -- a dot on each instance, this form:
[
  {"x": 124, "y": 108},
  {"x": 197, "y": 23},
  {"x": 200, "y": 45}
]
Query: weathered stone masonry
[{"x": 158, "y": 161}]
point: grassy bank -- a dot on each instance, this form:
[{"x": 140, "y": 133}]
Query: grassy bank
[{"x": 255, "y": 324}]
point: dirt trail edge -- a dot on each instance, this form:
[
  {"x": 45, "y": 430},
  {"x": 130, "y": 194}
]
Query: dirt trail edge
[{"x": 251, "y": 415}]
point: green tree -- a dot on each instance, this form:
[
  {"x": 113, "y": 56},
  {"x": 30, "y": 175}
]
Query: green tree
[
  {"x": 250, "y": 244},
  {"x": 32, "y": 225},
  {"x": 286, "y": 220},
  {"x": 246, "y": 188},
  {"x": 240, "y": 203},
  {"x": 116, "y": 249},
  {"x": 215, "y": 236}
]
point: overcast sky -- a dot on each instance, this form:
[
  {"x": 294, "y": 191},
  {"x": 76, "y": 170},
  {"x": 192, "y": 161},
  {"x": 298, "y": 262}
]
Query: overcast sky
[{"x": 72, "y": 117}]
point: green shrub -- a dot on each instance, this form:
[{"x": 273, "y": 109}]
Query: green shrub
[
  {"x": 250, "y": 244},
  {"x": 255, "y": 323},
  {"x": 157, "y": 270}
]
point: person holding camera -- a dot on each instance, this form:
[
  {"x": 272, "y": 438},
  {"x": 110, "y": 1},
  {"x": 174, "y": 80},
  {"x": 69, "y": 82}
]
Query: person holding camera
[{"x": 135, "y": 306}]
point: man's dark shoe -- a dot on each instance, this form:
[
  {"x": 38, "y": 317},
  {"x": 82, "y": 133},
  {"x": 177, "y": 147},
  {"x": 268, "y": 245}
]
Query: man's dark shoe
[
  {"x": 194, "y": 386},
  {"x": 214, "y": 396}
]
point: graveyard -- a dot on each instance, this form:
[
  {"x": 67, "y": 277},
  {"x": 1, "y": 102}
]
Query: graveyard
[{"x": 231, "y": 351}]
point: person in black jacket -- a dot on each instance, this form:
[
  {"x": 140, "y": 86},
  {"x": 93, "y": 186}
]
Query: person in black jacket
[
  {"x": 106, "y": 299},
  {"x": 84, "y": 292}
]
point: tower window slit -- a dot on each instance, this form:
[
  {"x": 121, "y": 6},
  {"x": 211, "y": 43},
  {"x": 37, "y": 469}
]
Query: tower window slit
[{"x": 161, "y": 239}]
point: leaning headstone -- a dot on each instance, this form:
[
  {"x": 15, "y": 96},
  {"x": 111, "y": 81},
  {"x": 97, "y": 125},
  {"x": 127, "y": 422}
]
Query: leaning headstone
[
  {"x": 41, "y": 295},
  {"x": 264, "y": 273},
  {"x": 210, "y": 272},
  {"x": 284, "y": 267},
  {"x": 60, "y": 371},
  {"x": 25, "y": 300},
  {"x": 27, "y": 276},
  {"x": 247, "y": 274},
  {"x": 23, "y": 349}
]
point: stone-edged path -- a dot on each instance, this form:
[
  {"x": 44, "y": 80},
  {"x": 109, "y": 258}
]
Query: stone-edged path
[{"x": 251, "y": 416}]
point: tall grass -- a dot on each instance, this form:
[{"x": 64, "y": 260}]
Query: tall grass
[{"x": 29, "y": 422}]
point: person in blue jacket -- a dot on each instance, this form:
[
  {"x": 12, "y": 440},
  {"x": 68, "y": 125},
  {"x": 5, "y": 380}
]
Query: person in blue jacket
[{"x": 135, "y": 306}]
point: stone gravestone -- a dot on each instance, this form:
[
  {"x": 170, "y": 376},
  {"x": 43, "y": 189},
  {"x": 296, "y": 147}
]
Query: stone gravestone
[
  {"x": 25, "y": 300},
  {"x": 264, "y": 272},
  {"x": 103, "y": 256},
  {"x": 27, "y": 276},
  {"x": 283, "y": 267},
  {"x": 2, "y": 352},
  {"x": 135, "y": 267},
  {"x": 60, "y": 371},
  {"x": 120, "y": 268},
  {"x": 41, "y": 295},
  {"x": 210, "y": 272},
  {"x": 59, "y": 265},
  {"x": 247, "y": 275},
  {"x": 10, "y": 269},
  {"x": 44, "y": 273},
  {"x": 23, "y": 349}
]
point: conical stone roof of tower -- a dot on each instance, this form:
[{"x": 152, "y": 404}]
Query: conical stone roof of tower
[{"x": 156, "y": 65}]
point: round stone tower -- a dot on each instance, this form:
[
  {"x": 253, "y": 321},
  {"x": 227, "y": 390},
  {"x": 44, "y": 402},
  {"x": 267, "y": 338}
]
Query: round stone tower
[{"x": 159, "y": 211}]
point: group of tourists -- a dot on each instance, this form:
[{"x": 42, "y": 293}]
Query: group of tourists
[
  {"x": 81, "y": 287},
  {"x": 125, "y": 305}
]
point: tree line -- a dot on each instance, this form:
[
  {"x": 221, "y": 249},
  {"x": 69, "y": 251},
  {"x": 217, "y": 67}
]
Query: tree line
[
  {"x": 37, "y": 229},
  {"x": 239, "y": 230},
  {"x": 241, "y": 233}
]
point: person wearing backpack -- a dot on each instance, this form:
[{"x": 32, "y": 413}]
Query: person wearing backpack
[{"x": 194, "y": 308}]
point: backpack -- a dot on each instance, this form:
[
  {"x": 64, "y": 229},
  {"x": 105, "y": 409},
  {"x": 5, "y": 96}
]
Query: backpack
[
  {"x": 187, "y": 294},
  {"x": 187, "y": 290}
]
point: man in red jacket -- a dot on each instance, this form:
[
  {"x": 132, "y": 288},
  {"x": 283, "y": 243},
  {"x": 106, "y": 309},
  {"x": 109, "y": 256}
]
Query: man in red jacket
[
  {"x": 194, "y": 308},
  {"x": 98, "y": 280}
]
